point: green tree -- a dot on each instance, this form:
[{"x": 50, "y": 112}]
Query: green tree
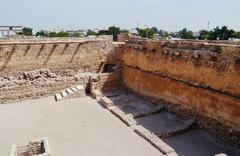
[
  {"x": 145, "y": 33},
  {"x": 91, "y": 32},
  {"x": 114, "y": 31},
  {"x": 41, "y": 33},
  {"x": 103, "y": 32},
  {"x": 52, "y": 34},
  {"x": 163, "y": 33},
  {"x": 154, "y": 30},
  {"x": 62, "y": 34},
  {"x": 221, "y": 33},
  {"x": 203, "y": 34},
  {"x": 236, "y": 34},
  {"x": 76, "y": 34},
  {"x": 27, "y": 31},
  {"x": 186, "y": 34}
]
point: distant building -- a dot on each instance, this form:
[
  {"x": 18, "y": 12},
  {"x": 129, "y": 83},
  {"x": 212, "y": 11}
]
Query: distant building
[
  {"x": 133, "y": 31},
  {"x": 75, "y": 33},
  {"x": 234, "y": 39},
  {"x": 9, "y": 31}
]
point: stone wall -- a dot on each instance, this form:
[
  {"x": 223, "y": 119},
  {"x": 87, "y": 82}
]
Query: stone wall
[
  {"x": 40, "y": 67},
  {"x": 210, "y": 66},
  {"x": 81, "y": 54},
  {"x": 196, "y": 78}
]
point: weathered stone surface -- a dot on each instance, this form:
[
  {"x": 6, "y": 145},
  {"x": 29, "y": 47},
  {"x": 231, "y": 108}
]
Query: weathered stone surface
[
  {"x": 79, "y": 87},
  {"x": 127, "y": 119},
  {"x": 74, "y": 89},
  {"x": 106, "y": 102},
  {"x": 58, "y": 96},
  {"x": 154, "y": 140},
  {"x": 96, "y": 93},
  {"x": 206, "y": 102},
  {"x": 49, "y": 65},
  {"x": 69, "y": 91},
  {"x": 207, "y": 65},
  {"x": 64, "y": 94}
]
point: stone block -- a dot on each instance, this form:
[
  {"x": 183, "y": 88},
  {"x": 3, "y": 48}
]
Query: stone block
[
  {"x": 58, "y": 96},
  {"x": 106, "y": 102},
  {"x": 154, "y": 140},
  {"x": 74, "y": 89},
  {"x": 64, "y": 94},
  {"x": 96, "y": 93},
  {"x": 127, "y": 119},
  {"x": 69, "y": 91},
  {"x": 79, "y": 87}
]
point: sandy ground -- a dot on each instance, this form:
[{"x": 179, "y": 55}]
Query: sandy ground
[{"x": 73, "y": 127}]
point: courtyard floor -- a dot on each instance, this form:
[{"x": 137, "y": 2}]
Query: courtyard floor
[
  {"x": 80, "y": 126},
  {"x": 73, "y": 127}
]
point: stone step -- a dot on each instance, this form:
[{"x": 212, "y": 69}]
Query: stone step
[
  {"x": 157, "y": 109},
  {"x": 79, "y": 87},
  {"x": 106, "y": 102},
  {"x": 155, "y": 141},
  {"x": 96, "y": 94},
  {"x": 177, "y": 130},
  {"x": 74, "y": 89},
  {"x": 64, "y": 94},
  {"x": 69, "y": 91},
  {"x": 58, "y": 96},
  {"x": 81, "y": 90}
]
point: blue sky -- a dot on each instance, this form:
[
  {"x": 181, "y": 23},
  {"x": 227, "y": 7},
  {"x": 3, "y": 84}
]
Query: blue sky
[{"x": 171, "y": 15}]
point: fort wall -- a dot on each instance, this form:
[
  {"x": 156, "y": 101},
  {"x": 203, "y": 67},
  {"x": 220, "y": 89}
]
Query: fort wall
[
  {"x": 192, "y": 78},
  {"x": 39, "y": 67}
]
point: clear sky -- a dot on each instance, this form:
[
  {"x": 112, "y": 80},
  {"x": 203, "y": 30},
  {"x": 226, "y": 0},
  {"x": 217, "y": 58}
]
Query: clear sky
[{"x": 171, "y": 15}]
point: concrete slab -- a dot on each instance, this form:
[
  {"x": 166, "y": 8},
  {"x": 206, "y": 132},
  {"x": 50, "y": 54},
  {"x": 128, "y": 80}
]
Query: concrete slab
[{"x": 74, "y": 127}]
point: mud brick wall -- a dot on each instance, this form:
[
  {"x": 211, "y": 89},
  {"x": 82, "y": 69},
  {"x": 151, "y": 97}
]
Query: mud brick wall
[
  {"x": 108, "y": 81},
  {"x": 39, "y": 67},
  {"x": 81, "y": 54},
  {"x": 207, "y": 65},
  {"x": 200, "y": 78}
]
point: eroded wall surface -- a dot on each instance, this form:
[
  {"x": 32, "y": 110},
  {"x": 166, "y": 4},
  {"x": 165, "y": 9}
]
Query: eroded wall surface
[
  {"x": 39, "y": 67},
  {"x": 202, "y": 78}
]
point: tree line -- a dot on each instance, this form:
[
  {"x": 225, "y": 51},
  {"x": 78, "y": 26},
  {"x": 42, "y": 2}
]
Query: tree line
[
  {"x": 223, "y": 33},
  {"x": 218, "y": 33}
]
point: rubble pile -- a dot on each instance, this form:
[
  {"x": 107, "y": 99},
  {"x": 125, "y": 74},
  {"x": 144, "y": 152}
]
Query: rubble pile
[{"x": 41, "y": 73}]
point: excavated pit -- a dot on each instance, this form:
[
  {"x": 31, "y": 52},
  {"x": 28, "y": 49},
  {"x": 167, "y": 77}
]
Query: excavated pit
[{"x": 165, "y": 91}]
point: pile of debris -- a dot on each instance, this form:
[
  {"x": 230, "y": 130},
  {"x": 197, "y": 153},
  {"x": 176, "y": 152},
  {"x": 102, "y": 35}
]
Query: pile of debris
[{"x": 36, "y": 74}]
